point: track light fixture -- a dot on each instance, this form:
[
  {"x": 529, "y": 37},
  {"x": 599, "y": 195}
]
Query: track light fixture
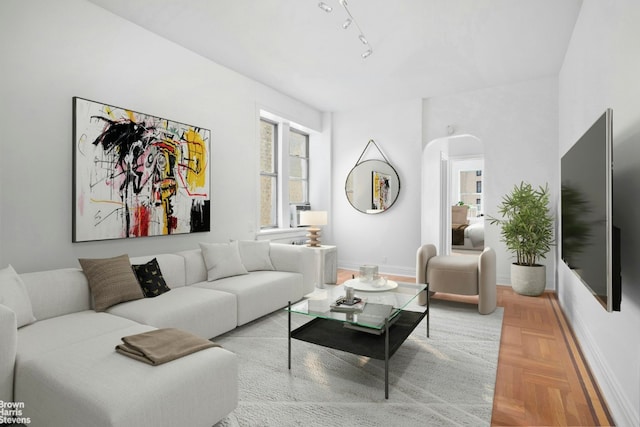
[
  {"x": 322, "y": 5},
  {"x": 347, "y": 23}
]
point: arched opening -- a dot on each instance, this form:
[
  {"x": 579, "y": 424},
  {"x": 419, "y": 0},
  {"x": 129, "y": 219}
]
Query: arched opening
[{"x": 452, "y": 168}]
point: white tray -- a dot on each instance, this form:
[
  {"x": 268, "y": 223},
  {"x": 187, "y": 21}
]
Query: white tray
[{"x": 360, "y": 285}]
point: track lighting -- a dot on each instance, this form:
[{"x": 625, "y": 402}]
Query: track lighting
[
  {"x": 347, "y": 23},
  {"x": 322, "y": 5}
]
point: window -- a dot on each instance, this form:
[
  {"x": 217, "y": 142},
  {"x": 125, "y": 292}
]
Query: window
[
  {"x": 298, "y": 167},
  {"x": 284, "y": 152},
  {"x": 268, "y": 174},
  {"x": 470, "y": 190}
]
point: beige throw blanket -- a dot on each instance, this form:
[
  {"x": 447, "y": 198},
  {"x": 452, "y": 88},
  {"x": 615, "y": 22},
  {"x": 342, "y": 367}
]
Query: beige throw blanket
[{"x": 162, "y": 345}]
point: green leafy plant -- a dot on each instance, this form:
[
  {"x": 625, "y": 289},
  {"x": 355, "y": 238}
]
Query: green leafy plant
[{"x": 526, "y": 224}]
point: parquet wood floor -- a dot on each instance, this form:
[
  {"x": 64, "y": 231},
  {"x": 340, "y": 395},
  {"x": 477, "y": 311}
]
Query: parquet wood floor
[{"x": 542, "y": 377}]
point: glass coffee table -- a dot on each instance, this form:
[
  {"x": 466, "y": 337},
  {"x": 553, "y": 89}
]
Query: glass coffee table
[{"x": 376, "y": 329}]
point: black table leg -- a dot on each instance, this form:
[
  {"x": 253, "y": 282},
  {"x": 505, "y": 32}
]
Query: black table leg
[
  {"x": 289, "y": 334},
  {"x": 386, "y": 358},
  {"x": 428, "y": 311}
]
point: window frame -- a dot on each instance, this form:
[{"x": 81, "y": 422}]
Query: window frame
[
  {"x": 274, "y": 174},
  {"x": 282, "y": 163},
  {"x": 307, "y": 162}
]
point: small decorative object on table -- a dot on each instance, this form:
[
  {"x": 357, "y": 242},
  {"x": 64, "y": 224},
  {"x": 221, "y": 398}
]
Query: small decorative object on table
[
  {"x": 368, "y": 273},
  {"x": 343, "y": 305},
  {"x": 349, "y": 294}
]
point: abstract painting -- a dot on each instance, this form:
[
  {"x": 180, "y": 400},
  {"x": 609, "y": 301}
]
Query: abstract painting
[
  {"x": 380, "y": 183},
  {"x": 137, "y": 175}
]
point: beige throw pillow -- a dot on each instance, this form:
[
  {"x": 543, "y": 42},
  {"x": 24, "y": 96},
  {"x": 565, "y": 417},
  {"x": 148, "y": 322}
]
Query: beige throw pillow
[
  {"x": 222, "y": 260},
  {"x": 111, "y": 280},
  {"x": 13, "y": 294}
]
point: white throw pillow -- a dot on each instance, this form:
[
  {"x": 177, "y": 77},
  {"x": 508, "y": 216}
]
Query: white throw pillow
[
  {"x": 222, "y": 260},
  {"x": 13, "y": 294},
  {"x": 255, "y": 255}
]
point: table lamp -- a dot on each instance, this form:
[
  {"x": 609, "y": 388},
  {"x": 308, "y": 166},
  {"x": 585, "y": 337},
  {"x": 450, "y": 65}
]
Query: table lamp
[{"x": 314, "y": 219}]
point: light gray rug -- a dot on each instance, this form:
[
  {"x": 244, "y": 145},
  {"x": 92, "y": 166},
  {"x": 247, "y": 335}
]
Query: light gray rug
[{"x": 445, "y": 380}]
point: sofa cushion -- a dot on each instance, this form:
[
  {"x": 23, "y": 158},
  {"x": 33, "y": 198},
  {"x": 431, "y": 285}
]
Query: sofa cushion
[
  {"x": 111, "y": 281},
  {"x": 59, "y": 332},
  {"x": 57, "y": 292},
  {"x": 222, "y": 260},
  {"x": 89, "y": 383},
  {"x": 150, "y": 278},
  {"x": 8, "y": 350},
  {"x": 259, "y": 292},
  {"x": 196, "y": 270},
  {"x": 13, "y": 295},
  {"x": 255, "y": 254},
  {"x": 202, "y": 312}
]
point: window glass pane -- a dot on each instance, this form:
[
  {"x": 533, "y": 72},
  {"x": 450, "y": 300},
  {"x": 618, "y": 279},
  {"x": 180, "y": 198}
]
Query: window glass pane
[
  {"x": 297, "y": 191},
  {"x": 268, "y": 200},
  {"x": 471, "y": 189},
  {"x": 268, "y": 132},
  {"x": 268, "y": 174},
  {"x": 298, "y": 144},
  {"x": 297, "y": 168}
]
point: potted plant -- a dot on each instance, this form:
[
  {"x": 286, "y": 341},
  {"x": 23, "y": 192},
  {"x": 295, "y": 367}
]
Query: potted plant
[{"x": 527, "y": 230}]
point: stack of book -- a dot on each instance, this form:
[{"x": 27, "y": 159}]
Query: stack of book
[{"x": 375, "y": 314}]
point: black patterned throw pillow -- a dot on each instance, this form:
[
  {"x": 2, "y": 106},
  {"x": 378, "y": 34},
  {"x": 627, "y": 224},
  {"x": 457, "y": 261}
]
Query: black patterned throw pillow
[{"x": 150, "y": 279}]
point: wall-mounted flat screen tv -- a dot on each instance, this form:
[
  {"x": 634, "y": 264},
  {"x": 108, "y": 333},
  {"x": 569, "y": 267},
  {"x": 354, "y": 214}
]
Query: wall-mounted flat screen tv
[{"x": 590, "y": 242}]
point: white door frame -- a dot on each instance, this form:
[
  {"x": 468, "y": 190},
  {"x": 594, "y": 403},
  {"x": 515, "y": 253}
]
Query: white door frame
[{"x": 445, "y": 211}]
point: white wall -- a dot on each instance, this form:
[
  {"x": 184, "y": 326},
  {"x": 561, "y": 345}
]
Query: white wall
[
  {"x": 389, "y": 239},
  {"x": 518, "y": 127},
  {"x": 601, "y": 70},
  {"x": 52, "y": 51}
]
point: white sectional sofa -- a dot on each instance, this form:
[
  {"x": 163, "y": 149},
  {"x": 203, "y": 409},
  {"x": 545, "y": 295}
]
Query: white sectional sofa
[{"x": 61, "y": 368}]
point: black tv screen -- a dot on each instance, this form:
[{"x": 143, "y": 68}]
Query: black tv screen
[{"x": 590, "y": 243}]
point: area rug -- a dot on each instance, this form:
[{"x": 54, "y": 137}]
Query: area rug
[{"x": 445, "y": 380}]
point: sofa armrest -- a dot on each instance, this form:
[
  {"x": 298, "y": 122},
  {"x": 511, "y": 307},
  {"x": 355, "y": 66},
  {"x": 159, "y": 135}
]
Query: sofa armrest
[
  {"x": 487, "y": 291},
  {"x": 423, "y": 255},
  {"x": 294, "y": 258},
  {"x": 8, "y": 349}
]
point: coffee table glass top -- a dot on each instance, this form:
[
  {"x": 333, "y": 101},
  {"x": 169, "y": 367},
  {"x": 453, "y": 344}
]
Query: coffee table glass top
[{"x": 318, "y": 303}]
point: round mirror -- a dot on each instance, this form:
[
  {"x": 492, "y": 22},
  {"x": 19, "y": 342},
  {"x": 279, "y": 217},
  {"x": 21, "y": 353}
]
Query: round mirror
[{"x": 372, "y": 186}]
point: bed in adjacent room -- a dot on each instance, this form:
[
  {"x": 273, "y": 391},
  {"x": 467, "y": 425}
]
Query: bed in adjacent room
[{"x": 469, "y": 237}]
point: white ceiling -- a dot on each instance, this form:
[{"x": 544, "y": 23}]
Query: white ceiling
[{"x": 421, "y": 48}]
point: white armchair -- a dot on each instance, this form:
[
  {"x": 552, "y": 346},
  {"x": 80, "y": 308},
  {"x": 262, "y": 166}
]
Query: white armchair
[{"x": 459, "y": 274}]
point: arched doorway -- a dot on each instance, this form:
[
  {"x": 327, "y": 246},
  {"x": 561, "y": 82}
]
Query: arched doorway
[{"x": 441, "y": 158}]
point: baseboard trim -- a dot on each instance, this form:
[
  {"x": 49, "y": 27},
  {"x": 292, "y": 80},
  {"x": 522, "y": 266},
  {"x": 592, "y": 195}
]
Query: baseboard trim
[{"x": 619, "y": 404}]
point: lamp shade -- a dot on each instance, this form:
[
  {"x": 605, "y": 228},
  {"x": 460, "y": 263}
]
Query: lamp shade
[{"x": 313, "y": 218}]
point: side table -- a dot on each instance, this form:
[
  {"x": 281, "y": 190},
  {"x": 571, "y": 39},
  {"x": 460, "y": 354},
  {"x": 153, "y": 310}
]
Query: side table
[{"x": 325, "y": 264}]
